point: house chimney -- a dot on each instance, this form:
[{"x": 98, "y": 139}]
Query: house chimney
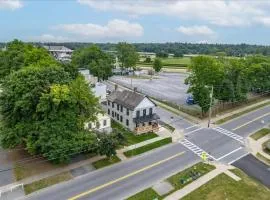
[{"x": 115, "y": 87}]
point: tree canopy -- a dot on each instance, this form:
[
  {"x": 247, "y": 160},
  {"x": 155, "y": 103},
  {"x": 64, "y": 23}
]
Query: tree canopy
[
  {"x": 157, "y": 65},
  {"x": 231, "y": 78},
  {"x": 127, "y": 55},
  {"x": 93, "y": 58}
]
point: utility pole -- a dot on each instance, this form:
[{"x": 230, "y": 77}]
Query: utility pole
[{"x": 210, "y": 109}]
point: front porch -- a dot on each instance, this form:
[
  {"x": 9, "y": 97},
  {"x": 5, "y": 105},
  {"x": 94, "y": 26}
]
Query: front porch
[{"x": 146, "y": 127}]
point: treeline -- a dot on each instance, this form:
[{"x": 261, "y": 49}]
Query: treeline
[
  {"x": 231, "y": 78},
  {"x": 184, "y": 48}
]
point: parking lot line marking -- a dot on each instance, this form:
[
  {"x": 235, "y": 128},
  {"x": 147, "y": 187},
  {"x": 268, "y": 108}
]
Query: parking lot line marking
[
  {"x": 250, "y": 121},
  {"x": 191, "y": 127},
  {"x": 238, "y": 158},
  {"x": 193, "y": 131},
  {"x": 125, "y": 177},
  {"x": 229, "y": 153}
]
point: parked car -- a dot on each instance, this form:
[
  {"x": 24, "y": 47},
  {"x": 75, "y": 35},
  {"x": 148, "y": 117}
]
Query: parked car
[{"x": 190, "y": 100}]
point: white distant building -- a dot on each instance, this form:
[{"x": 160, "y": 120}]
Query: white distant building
[
  {"x": 103, "y": 124},
  {"x": 60, "y": 53}
]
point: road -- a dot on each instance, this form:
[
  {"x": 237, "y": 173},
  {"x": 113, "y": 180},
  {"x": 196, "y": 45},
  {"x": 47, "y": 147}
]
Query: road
[{"x": 123, "y": 179}]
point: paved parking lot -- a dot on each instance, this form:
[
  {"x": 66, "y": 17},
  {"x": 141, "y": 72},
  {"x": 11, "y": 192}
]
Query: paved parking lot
[{"x": 169, "y": 86}]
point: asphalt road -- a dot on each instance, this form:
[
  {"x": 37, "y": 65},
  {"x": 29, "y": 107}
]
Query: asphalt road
[
  {"x": 124, "y": 179},
  {"x": 249, "y": 123},
  {"x": 254, "y": 168}
]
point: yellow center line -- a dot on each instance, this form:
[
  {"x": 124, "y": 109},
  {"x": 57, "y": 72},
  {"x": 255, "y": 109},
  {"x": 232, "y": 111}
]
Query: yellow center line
[
  {"x": 250, "y": 121},
  {"x": 124, "y": 177}
]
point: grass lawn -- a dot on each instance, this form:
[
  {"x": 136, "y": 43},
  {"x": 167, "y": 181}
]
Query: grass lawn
[
  {"x": 169, "y": 127},
  {"x": 148, "y": 194},
  {"x": 176, "y": 61},
  {"x": 261, "y": 133},
  {"x": 105, "y": 162},
  {"x": 221, "y": 121},
  {"x": 224, "y": 187},
  {"x": 32, "y": 187},
  {"x": 148, "y": 147},
  {"x": 262, "y": 158},
  {"x": 131, "y": 138},
  {"x": 265, "y": 149},
  {"x": 201, "y": 167}
]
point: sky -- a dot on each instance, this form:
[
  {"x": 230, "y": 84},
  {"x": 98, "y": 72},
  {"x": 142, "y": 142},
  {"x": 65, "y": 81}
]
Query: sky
[{"x": 208, "y": 21}]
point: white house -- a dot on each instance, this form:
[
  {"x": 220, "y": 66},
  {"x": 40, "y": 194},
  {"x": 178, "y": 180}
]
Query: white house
[
  {"x": 133, "y": 110},
  {"x": 103, "y": 124},
  {"x": 61, "y": 53}
]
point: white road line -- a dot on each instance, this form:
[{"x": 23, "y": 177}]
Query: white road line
[
  {"x": 193, "y": 131},
  {"x": 191, "y": 127},
  {"x": 250, "y": 121},
  {"x": 238, "y": 158},
  {"x": 230, "y": 134},
  {"x": 194, "y": 148},
  {"x": 229, "y": 153}
]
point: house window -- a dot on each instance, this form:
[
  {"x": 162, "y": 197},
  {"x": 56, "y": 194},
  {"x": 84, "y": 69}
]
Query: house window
[
  {"x": 138, "y": 114},
  {"x": 150, "y": 123},
  {"x": 112, "y": 105},
  {"x": 144, "y": 112},
  {"x": 143, "y": 124},
  {"x": 109, "y": 112},
  {"x": 104, "y": 122},
  {"x": 137, "y": 125},
  {"x": 109, "y": 103},
  {"x": 117, "y": 116},
  {"x": 127, "y": 112},
  {"x": 121, "y": 118},
  {"x": 112, "y": 114},
  {"x": 150, "y": 111},
  {"x": 121, "y": 108},
  {"x": 127, "y": 122},
  {"x": 117, "y": 106}
]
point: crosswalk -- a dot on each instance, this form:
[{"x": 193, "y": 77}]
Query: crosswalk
[
  {"x": 230, "y": 134},
  {"x": 195, "y": 149}
]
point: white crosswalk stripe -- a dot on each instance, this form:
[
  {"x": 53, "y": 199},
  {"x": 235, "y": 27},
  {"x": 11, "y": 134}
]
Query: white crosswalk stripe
[
  {"x": 194, "y": 148},
  {"x": 230, "y": 134}
]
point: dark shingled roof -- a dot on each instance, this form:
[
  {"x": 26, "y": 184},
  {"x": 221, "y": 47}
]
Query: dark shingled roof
[{"x": 126, "y": 98}]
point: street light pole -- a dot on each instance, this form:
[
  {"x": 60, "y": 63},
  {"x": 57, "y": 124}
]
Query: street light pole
[{"x": 210, "y": 109}]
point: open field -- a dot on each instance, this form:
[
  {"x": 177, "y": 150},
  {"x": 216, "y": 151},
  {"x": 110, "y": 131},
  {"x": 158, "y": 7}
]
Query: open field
[
  {"x": 171, "y": 62},
  {"x": 223, "y": 187}
]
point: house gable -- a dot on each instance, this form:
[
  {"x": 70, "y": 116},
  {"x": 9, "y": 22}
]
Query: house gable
[{"x": 145, "y": 103}]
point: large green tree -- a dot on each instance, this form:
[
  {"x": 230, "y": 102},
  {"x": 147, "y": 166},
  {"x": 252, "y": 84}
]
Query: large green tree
[
  {"x": 18, "y": 55},
  {"x": 127, "y": 55},
  {"x": 93, "y": 58}
]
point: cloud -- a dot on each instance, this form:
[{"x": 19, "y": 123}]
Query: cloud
[
  {"x": 196, "y": 30},
  {"x": 10, "y": 4},
  {"x": 263, "y": 20},
  {"x": 113, "y": 29},
  {"x": 217, "y": 12},
  {"x": 49, "y": 38}
]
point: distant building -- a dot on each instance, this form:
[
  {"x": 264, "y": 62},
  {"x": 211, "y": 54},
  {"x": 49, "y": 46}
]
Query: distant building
[
  {"x": 60, "y": 53},
  {"x": 102, "y": 125},
  {"x": 133, "y": 110},
  {"x": 90, "y": 79}
]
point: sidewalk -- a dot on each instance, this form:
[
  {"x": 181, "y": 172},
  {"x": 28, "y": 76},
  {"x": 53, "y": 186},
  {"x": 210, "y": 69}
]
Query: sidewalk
[
  {"x": 201, "y": 181},
  {"x": 256, "y": 146}
]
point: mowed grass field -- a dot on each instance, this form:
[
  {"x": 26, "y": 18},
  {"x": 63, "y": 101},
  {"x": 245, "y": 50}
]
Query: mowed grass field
[{"x": 170, "y": 62}]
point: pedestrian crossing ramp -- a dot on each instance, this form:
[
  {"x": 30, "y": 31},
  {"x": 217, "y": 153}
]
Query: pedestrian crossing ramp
[{"x": 230, "y": 134}]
